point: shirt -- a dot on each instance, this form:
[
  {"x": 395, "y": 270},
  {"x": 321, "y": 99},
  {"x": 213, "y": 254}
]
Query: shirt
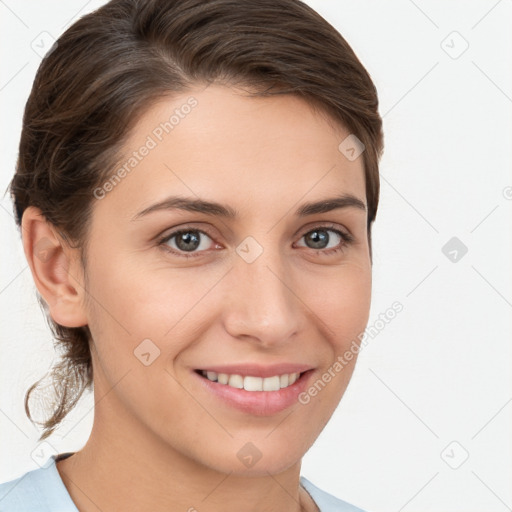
[{"x": 42, "y": 490}]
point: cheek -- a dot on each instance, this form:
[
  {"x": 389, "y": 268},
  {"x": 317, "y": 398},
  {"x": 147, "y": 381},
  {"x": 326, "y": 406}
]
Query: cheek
[
  {"x": 132, "y": 302},
  {"x": 342, "y": 303},
  {"x": 342, "y": 307}
]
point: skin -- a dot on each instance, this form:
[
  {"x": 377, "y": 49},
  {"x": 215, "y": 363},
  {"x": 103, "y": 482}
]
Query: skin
[{"x": 160, "y": 441}]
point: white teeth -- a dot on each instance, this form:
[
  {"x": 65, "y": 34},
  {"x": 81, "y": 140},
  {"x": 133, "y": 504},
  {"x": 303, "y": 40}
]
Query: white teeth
[
  {"x": 236, "y": 381},
  {"x": 253, "y": 384},
  {"x": 271, "y": 384},
  {"x": 223, "y": 378},
  {"x": 250, "y": 383}
]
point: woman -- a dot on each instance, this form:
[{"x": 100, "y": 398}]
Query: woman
[{"x": 196, "y": 187}]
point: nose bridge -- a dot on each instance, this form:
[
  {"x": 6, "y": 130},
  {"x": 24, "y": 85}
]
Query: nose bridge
[{"x": 261, "y": 301}]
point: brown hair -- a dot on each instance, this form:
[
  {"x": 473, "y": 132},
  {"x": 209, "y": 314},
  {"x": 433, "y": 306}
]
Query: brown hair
[{"x": 112, "y": 64}]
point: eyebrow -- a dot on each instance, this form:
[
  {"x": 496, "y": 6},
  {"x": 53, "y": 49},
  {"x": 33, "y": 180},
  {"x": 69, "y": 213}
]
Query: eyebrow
[{"x": 217, "y": 209}]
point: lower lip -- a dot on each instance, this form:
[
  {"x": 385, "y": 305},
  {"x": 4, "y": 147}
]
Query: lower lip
[{"x": 259, "y": 403}]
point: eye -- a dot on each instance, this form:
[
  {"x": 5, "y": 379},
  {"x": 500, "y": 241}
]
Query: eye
[
  {"x": 186, "y": 241},
  {"x": 192, "y": 242},
  {"x": 326, "y": 239}
]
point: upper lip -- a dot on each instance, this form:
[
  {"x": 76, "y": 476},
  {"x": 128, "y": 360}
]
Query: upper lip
[{"x": 257, "y": 370}]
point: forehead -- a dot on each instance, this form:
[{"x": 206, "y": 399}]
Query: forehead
[{"x": 218, "y": 143}]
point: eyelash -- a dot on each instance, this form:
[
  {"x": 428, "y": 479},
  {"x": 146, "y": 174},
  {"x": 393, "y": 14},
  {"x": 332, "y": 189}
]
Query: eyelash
[{"x": 347, "y": 239}]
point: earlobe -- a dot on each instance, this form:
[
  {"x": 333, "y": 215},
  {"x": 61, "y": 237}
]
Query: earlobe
[{"x": 55, "y": 269}]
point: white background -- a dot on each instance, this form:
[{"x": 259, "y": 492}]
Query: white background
[{"x": 440, "y": 371}]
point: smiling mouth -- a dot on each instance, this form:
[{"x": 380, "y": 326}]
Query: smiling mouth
[{"x": 250, "y": 383}]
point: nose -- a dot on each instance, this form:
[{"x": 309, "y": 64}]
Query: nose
[{"x": 260, "y": 304}]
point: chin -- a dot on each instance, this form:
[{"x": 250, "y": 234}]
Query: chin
[{"x": 257, "y": 458}]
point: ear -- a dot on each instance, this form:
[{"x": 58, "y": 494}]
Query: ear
[{"x": 55, "y": 268}]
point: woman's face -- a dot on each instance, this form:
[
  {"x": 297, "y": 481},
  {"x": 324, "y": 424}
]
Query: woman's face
[{"x": 258, "y": 284}]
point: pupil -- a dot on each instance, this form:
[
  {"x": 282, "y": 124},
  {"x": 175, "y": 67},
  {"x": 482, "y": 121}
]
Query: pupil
[
  {"x": 319, "y": 239},
  {"x": 187, "y": 241}
]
